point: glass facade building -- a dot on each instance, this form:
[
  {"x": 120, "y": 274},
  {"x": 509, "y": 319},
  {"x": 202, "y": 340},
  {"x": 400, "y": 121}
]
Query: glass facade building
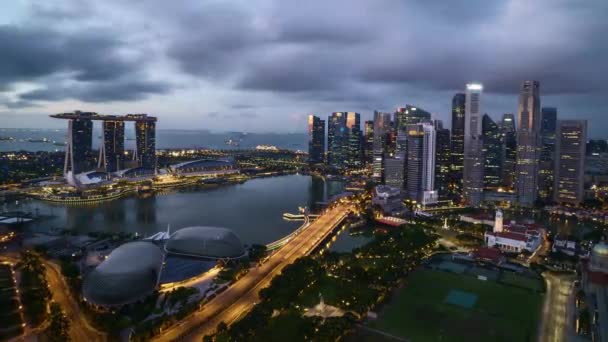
[
  {"x": 145, "y": 139},
  {"x": 112, "y": 152},
  {"x": 570, "y": 165},
  {"x": 528, "y": 143},
  {"x": 316, "y": 139},
  {"x": 492, "y": 153}
]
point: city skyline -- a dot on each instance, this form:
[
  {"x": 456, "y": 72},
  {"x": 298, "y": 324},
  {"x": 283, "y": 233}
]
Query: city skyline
[{"x": 173, "y": 76}]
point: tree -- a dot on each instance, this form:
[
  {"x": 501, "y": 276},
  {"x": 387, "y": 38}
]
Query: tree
[{"x": 59, "y": 328}]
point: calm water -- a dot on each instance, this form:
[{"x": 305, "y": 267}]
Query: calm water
[
  {"x": 165, "y": 139},
  {"x": 253, "y": 210}
]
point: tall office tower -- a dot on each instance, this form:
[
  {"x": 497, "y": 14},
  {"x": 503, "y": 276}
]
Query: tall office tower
[
  {"x": 394, "y": 169},
  {"x": 570, "y": 165},
  {"x": 421, "y": 163},
  {"x": 79, "y": 147},
  {"x": 368, "y": 142},
  {"x": 509, "y": 153},
  {"x": 316, "y": 139},
  {"x": 112, "y": 149},
  {"x": 382, "y": 126},
  {"x": 410, "y": 115},
  {"x": 546, "y": 164},
  {"x": 473, "y": 146},
  {"x": 443, "y": 160},
  {"x": 492, "y": 153},
  {"x": 145, "y": 139},
  {"x": 354, "y": 148},
  {"x": 457, "y": 143},
  {"x": 395, "y": 165},
  {"x": 337, "y": 140},
  {"x": 528, "y": 143}
]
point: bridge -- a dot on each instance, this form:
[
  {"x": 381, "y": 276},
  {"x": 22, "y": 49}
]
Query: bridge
[{"x": 239, "y": 298}]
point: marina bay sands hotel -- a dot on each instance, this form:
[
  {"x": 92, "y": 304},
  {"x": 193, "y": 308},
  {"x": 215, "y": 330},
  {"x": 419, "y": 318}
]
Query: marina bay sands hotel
[{"x": 79, "y": 145}]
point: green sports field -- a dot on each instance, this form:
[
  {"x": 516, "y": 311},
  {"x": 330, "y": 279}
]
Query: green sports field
[{"x": 421, "y": 312}]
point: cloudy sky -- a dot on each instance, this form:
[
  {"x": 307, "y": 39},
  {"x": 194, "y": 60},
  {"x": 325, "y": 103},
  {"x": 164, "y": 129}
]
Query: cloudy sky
[{"x": 261, "y": 66}]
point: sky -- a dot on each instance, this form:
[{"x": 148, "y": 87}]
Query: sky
[{"x": 262, "y": 66}]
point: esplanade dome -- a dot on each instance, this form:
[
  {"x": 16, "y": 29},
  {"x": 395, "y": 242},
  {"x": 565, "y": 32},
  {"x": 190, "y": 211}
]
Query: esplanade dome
[
  {"x": 599, "y": 258},
  {"x": 129, "y": 273},
  {"x": 205, "y": 242}
]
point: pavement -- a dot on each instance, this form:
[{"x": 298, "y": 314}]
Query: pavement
[
  {"x": 239, "y": 298},
  {"x": 557, "y": 322}
]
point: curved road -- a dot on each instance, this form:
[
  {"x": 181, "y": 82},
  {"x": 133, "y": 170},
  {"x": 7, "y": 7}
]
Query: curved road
[
  {"x": 238, "y": 299},
  {"x": 80, "y": 330}
]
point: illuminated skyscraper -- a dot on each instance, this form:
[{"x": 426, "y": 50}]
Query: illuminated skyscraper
[
  {"x": 509, "y": 153},
  {"x": 421, "y": 163},
  {"x": 382, "y": 126},
  {"x": 79, "y": 148},
  {"x": 316, "y": 139},
  {"x": 473, "y": 146},
  {"x": 492, "y": 153},
  {"x": 337, "y": 140},
  {"x": 368, "y": 136},
  {"x": 546, "y": 165},
  {"x": 112, "y": 149},
  {"x": 355, "y": 143},
  {"x": 145, "y": 139},
  {"x": 410, "y": 115},
  {"x": 457, "y": 143},
  {"x": 528, "y": 143},
  {"x": 443, "y": 160},
  {"x": 570, "y": 165}
]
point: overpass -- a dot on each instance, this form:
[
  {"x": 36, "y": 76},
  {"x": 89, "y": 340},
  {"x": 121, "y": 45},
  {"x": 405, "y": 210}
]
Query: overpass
[{"x": 239, "y": 298}]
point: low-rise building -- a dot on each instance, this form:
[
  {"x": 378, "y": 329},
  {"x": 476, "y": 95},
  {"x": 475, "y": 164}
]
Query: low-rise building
[
  {"x": 513, "y": 237},
  {"x": 388, "y": 198}
]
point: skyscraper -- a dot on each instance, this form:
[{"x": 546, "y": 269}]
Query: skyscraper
[
  {"x": 473, "y": 146},
  {"x": 368, "y": 136},
  {"x": 79, "y": 148},
  {"x": 337, "y": 140},
  {"x": 145, "y": 139},
  {"x": 509, "y": 152},
  {"x": 410, "y": 115},
  {"x": 421, "y": 163},
  {"x": 443, "y": 159},
  {"x": 316, "y": 139},
  {"x": 457, "y": 143},
  {"x": 355, "y": 144},
  {"x": 394, "y": 169},
  {"x": 528, "y": 143},
  {"x": 492, "y": 153},
  {"x": 382, "y": 123},
  {"x": 546, "y": 165},
  {"x": 112, "y": 149},
  {"x": 570, "y": 165}
]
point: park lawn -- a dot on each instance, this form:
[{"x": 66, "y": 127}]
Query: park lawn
[
  {"x": 501, "y": 312},
  {"x": 515, "y": 279}
]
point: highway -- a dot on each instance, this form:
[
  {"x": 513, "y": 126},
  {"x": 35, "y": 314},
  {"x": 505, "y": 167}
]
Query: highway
[
  {"x": 239, "y": 298},
  {"x": 80, "y": 330},
  {"x": 556, "y": 324}
]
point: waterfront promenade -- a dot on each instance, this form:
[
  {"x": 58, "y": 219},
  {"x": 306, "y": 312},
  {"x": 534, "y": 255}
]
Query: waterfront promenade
[{"x": 239, "y": 298}]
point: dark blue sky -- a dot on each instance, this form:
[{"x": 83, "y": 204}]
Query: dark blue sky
[{"x": 263, "y": 65}]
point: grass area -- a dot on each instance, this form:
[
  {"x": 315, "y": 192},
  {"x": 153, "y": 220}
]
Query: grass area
[
  {"x": 511, "y": 278},
  {"x": 501, "y": 313}
]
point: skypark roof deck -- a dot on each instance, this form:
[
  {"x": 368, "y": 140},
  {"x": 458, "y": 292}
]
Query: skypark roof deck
[{"x": 103, "y": 117}]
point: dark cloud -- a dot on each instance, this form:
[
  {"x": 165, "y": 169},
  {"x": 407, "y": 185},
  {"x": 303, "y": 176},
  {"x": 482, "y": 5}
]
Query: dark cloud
[
  {"x": 98, "y": 92},
  {"x": 87, "y": 65}
]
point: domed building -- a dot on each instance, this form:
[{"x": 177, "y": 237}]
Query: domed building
[
  {"x": 130, "y": 273},
  {"x": 598, "y": 260},
  {"x": 205, "y": 242}
]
